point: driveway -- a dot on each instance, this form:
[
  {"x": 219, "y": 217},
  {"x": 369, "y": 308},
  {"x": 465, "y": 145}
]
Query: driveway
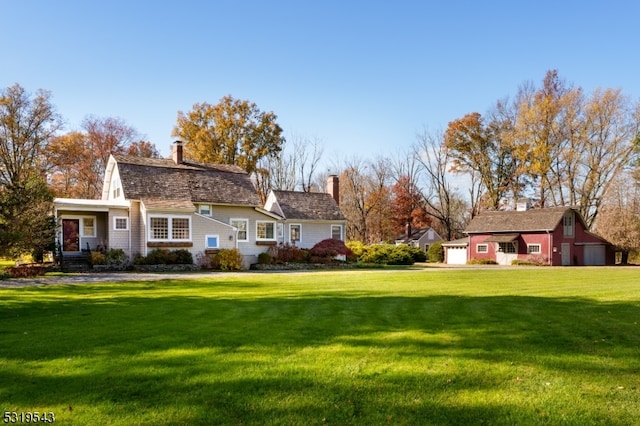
[{"x": 99, "y": 277}]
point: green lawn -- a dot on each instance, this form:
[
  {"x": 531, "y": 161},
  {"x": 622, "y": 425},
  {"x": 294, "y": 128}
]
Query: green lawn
[{"x": 491, "y": 346}]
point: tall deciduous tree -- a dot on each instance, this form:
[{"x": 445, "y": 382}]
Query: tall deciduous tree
[
  {"x": 409, "y": 206},
  {"x": 230, "y": 132},
  {"x": 619, "y": 221},
  {"x": 293, "y": 168},
  {"x": 79, "y": 158},
  {"x": 481, "y": 149},
  {"x": 365, "y": 200},
  {"x": 444, "y": 202},
  {"x": 27, "y": 123}
]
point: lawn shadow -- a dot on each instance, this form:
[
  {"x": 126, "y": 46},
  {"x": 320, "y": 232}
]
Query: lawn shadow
[{"x": 222, "y": 354}]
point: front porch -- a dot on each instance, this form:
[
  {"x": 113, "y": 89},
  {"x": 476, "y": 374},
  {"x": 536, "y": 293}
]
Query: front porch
[{"x": 83, "y": 226}]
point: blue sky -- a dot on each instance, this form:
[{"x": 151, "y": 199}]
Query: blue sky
[{"x": 362, "y": 76}]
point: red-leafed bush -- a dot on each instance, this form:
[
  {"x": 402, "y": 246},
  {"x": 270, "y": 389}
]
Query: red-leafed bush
[{"x": 330, "y": 248}]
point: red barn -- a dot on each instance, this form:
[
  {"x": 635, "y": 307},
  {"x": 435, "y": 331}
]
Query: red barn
[{"x": 553, "y": 236}]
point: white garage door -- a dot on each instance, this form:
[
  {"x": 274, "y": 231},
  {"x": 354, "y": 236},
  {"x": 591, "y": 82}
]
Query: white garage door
[
  {"x": 456, "y": 255},
  {"x": 594, "y": 255}
]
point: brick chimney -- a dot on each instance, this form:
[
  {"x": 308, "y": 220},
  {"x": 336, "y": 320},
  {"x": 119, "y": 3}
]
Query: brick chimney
[
  {"x": 176, "y": 152},
  {"x": 333, "y": 187}
]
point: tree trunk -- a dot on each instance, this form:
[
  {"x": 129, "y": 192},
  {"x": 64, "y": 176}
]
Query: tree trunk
[{"x": 624, "y": 257}]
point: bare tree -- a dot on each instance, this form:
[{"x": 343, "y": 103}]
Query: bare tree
[
  {"x": 293, "y": 168},
  {"x": 364, "y": 199},
  {"x": 445, "y": 203}
]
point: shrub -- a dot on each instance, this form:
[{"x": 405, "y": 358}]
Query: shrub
[
  {"x": 435, "y": 253},
  {"x": 400, "y": 255},
  {"x": 285, "y": 253},
  {"x": 418, "y": 254},
  {"x": 386, "y": 254},
  {"x": 482, "y": 262},
  {"x": 357, "y": 248},
  {"x": 227, "y": 260},
  {"x": 165, "y": 257},
  {"x": 115, "y": 257},
  {"x": 330, "y": 248},
  {"x": 98, "y": 258},
  {"x": 203, "y": 260},
  {"x": 264, "y": 258}
]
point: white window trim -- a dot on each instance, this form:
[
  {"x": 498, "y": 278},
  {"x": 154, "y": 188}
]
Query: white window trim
[
  {"x": 200, "y": 209},
  {"x": 241, "y": 219},
  {"x": 206, "y": 241},
  {"x": 95, "y": 225},
  {"x": 258, "y": 222},
  {"x": 81, "y": 219},
  {"x": 538, "y": 251},
  {"x": 115, "y": 220},
  {"x": 569, "y": 224},
  {"x": 291, "y": 225},
  {"x": 341, "y": 231},
  {"x": 483, "y": 245},
  {"x": 116, "y": 186},
  {"x": 170, "y": 218}
]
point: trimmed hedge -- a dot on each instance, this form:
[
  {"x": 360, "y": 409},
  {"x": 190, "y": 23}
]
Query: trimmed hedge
[{"x": 165, "y": 257}]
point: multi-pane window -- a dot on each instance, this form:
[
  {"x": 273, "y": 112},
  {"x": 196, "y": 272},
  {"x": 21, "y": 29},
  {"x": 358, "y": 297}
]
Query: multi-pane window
[
  {"x": 117, "y": 188},
  {"x": 243, "y": 226},
  {"x": 159, "y": 227},
  {"x": 507, "y": 247},
  {"x": 534, "y": 249},
  {"x": 482, "y": 248},
  {"x": 336, "y": 232},
  {"x": 294, "y": 232},
  {"x": 120, "y": 223},
  {"x": 88, "y": 227},
  {"x": 180, "y": 229},
  {"x": 265, "y": 230},
  {"x": 169, "y": 228}
]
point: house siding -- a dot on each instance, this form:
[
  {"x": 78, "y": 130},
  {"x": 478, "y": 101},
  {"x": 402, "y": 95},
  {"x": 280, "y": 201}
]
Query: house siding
[
  {"x": 119, "y": 239},
  {"x": 577, "y": 246},
  {"x": 250, "y": 249},
  {"x": 311, "y": 232},
  {"x": 203, "y": 226},
  {"x": 138, "y": 229}
]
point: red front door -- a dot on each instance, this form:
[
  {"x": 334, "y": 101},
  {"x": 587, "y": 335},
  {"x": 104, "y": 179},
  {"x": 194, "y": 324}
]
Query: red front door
[{"x": 70, "y": 234}]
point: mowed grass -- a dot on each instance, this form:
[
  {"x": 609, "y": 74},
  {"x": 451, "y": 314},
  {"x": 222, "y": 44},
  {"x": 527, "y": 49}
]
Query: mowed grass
[{"x": 448, "y": 347}]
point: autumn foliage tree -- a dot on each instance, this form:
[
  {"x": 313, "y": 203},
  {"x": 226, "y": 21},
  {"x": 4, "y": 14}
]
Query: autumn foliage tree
[
  {"x": 27, "y": 124},
  {"x": 230, "y": 132},
  {"x": 79, "y": 158},
  {"x": 409, "y": 207}
]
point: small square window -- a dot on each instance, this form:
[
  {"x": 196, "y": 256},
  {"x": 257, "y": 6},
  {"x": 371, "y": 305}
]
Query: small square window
[
  {"x": 205, "y": 209},
  {"x": 482, "y": 248},
  {"x": 121, "y": 223},
  {"x": 212, "y": 241}
]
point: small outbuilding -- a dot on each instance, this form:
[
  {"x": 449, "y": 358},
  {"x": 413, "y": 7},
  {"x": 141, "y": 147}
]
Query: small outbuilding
[
  {"x": 455, "y": 252},
  {"x": 552, "y": 236}
]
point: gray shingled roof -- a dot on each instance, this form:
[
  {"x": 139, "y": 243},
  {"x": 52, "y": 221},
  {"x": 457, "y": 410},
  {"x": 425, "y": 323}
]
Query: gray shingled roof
[
  {"x": 517, "y": 221},
  {"x": 308, "y": 205},
  {"x": 162, "y": 178}
]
